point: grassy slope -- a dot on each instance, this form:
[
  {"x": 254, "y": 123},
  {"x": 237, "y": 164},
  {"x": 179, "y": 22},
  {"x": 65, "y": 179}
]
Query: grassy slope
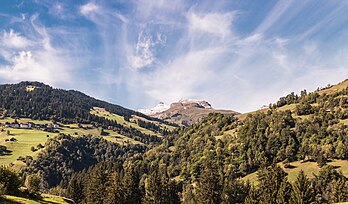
[
  {"x": 101, "y": 112},
  {"x": 309, "y": 168},
  {"x": 27, "y": 138},
  {"x": 46, "y": 199}
]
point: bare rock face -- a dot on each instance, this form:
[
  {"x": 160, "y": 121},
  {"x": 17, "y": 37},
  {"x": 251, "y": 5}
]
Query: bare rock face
[{"x": 187, "y": 111}]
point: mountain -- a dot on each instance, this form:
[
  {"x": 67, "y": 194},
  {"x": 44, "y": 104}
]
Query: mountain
[
  {"x": 157, "y": 109},
  {"x": 184, "y": 112}
]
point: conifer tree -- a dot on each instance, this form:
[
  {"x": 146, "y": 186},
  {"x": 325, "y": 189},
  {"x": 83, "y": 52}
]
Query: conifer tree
[
  {"x": 284, "y": 192},
  {"x": 75, "y": 188},
  {"x": 95, "y": 190},
  {"x": 270, "y": 182},
  {"x": 131, "y": 180},
  {"x": 302, "y": 192},
  {"x": 187, "y": 195},
  {"x": 209, "y": 188},
  {"x": 114, "y": 189}
]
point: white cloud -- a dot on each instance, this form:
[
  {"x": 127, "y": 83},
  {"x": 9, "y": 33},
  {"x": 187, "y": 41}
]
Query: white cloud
[
  {"x": 89, "y": 8},
  {"x": 12, "y": 39},
  {"x": 143, "y": 52},
  {"x": 214, "y": 23},
  {"x": 35, "y": 59}
]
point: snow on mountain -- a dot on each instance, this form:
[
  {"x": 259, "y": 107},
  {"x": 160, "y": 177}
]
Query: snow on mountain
[
  {"x": 201, "y": 103},
  {"x": 157, "y": 109}
]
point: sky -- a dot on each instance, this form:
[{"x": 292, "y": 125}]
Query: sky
[{"x": 235, "y": 54}]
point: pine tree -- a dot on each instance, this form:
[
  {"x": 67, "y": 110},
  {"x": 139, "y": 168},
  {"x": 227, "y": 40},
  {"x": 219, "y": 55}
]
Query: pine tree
[
  {"x": 114, "y": 190},
  {"x": 284, "y": 193},
  {"x": 95, "y": 189},
  {"x": 270, "y": 181},
  {"x": 209, "y": 188},
  {"x": 153, "y": 189},
  {"x": 131, "y": 180},
  {"x": 187, "y": 195},
  {"x": 75, "y": 188},
  {"x": 234, "y": 191},
  {"x": 302, "y": 192},
  {"x": 253, "y": 196}
]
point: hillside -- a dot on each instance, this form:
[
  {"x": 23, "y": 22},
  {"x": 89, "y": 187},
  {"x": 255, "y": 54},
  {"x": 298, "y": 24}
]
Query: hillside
[
  {"x": 298, "y": 144},
  {"x": 185, "y": 112},
  {"x": 32, "y": 112}
]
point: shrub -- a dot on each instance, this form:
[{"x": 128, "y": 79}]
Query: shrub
[
  {"x": 33, "y": 183},
  {"x": 9, "y": 181}
]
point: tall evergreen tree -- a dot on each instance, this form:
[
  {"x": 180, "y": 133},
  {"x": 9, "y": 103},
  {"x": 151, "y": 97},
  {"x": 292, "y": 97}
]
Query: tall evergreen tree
[
  {"x": 209, "y": 188},
  {"x": 95, "y": 188},
  {"x": 75, "y": 189},
  {"x": 302, "y": 192},
  {"x": 131, "y": 180},
  {"x": 234, "y": 191},
  {"x": 114, "y": 190},
  {"x": 270, "y": 182}
]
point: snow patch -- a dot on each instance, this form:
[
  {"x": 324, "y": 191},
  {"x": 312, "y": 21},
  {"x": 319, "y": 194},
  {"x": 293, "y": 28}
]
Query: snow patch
[{"x": 157, "y": 109}]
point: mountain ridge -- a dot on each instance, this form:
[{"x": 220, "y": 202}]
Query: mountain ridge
[{"x": 185, "y": 112}]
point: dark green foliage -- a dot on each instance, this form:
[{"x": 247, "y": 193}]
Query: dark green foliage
[
  {"x": 304, "y": 109},
  {"x": 65, "y": 155},
  {"x": 234, "y": 191},
  {"x": 95, "y": 191},
  {"x": 272, "y": 182},
  {"x": 209, "y": 188},
  {"x": 75, "y": 188},
  {"x": 302, "y": 190},
  {"x": 9, "y": 181},
  {"x": 330, "y": 186},
  {"x": 130, "y": 181},
  {"x": 33, "y": 183},
  {"x": 114, "y": 189}
]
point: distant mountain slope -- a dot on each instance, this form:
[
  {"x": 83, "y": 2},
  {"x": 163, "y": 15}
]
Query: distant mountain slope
[
  {"x": 38, "y": 101},
  {"x": 185, "y": 112},
  {"x": 157, "y": 109}
]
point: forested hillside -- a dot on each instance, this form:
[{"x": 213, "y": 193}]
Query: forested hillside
[
  {"x": 205, "y": 163},
  {"x": 36, "y": 100}
]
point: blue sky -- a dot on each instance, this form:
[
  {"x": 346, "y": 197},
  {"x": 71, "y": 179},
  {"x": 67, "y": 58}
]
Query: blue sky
[{"x": 238, "y": 54}]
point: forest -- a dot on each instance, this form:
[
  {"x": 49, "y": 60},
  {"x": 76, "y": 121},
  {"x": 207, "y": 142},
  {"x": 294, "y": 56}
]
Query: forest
[{"x": 205, "y": 163}]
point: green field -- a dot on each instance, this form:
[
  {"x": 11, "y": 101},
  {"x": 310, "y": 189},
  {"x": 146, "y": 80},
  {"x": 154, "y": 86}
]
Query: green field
[
  {"x": 101, "y": 112},
  {"x": 27, "y": 138},
  {"x": 46, "y": 199},
  {"x": 309, "y": 168}
]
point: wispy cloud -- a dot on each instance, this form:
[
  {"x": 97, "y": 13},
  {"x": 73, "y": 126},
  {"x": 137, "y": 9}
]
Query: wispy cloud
[
  {"x": 213, "y": 23},
  {"x": 136, "y": 53},
  {"x": 12, "y": 40}
]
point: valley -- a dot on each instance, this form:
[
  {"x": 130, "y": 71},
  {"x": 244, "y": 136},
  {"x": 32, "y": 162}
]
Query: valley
[{"x": 299, "y": 138}]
